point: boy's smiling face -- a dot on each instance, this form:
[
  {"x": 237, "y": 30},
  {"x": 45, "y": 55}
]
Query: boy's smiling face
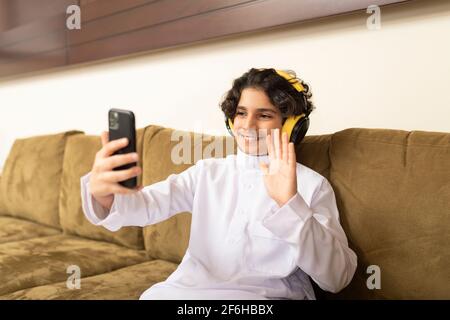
[{"x": 255, "y": 116}]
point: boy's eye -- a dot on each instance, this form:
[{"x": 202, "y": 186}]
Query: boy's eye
[
  {"x": 240, "y": 113},
  {"x": 266, "y": 116}
]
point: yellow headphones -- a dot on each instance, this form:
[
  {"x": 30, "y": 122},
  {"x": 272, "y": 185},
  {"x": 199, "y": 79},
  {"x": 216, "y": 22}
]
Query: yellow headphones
[{"x": 295, "y": 126}]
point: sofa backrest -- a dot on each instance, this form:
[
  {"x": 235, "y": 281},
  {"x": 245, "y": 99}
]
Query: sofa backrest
[
  {"x": 393, "y": 193},
  {"x": 78, "y": 161},
  {"x": 169, "y": 239},
  {"x": 31, "y": 178},
  {"x": 313, "y": 153}
]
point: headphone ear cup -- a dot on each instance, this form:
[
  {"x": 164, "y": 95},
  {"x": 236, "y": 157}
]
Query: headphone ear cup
[
  {"x": 299, "y": 130},
  {"x": 229, "y": 125},
  {"x": 290, "y": 126}
]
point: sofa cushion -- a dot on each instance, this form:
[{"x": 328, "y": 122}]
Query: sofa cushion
[
  {"x": 40, "y": 261},
  {"x": 31, "y": 178},
  {"x": 78, "y": 160},
  {"x": 313, "y": 153},
  {"x": 169, "y": 239},
  {"x": 393, "y": 194},
  {"x": 123, "y": 284},
  {"x": 14, "y": 229}
]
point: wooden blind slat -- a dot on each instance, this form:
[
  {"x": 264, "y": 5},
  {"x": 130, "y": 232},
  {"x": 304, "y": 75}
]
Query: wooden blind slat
[
  {"x": 113, "y": 28},
  {"x": 151, "y": 14}
]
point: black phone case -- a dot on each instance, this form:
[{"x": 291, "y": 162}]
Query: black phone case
[{"x": 122, "y": 125}]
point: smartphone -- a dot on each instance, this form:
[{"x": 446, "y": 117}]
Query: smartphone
[{"x": 122, "y": 125}]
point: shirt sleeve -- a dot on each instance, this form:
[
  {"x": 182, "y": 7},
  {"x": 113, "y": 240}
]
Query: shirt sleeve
[
  {"x": 321, "y": 245},
  {"x": 152, "y": 204}
]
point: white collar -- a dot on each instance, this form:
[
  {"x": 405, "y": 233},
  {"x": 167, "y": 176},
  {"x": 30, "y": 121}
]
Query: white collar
[{"x": 250, "y": 161}]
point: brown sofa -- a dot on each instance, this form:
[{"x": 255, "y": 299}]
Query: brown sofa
[{"x": 392, "y": 188}]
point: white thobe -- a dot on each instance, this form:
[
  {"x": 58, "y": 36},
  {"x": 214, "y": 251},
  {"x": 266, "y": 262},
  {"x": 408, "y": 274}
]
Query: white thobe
[{"x": 242, "y": 244}]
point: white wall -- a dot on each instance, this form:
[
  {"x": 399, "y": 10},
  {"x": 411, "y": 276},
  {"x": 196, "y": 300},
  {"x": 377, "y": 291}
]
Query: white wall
[{"x": 397, "y": 77}]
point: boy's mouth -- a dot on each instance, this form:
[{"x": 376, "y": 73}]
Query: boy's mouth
[{"x": 249, "y": 138}]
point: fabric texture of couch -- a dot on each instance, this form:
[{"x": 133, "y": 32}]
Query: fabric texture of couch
[{"x": 392, "y": 189}]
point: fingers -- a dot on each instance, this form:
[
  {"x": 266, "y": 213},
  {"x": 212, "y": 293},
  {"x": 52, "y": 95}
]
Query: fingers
[
  {"x": 118, "y": 160},
  {"x": 105, "y": 180},
  {"x": 284, "y": 147},
  {"x": 120, "y": 175},
  {"x": 276, "y": 143},
  {"x": 277, "y": 146},
  {"x": 291, "y": 157},
  {"x": 110, "y": 147},
  {"x": 107, "y": 183},
  {"x": 269, "y": 142},
  {"x": 105, "y": 137}
]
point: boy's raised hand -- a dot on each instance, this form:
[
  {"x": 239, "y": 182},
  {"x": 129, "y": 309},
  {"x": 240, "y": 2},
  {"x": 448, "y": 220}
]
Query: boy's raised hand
[
  {"x": 104, "y": 180},
  {"x": 280, "y": 175}
]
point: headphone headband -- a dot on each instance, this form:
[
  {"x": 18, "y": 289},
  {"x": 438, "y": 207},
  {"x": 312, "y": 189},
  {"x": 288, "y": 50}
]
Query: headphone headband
[
  {"x": 295, "y": 126},
  {"x": 293, "y": 81}
]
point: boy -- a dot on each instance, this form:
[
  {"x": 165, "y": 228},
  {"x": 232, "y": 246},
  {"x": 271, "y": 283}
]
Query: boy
[{"x": 262, "y": 224}]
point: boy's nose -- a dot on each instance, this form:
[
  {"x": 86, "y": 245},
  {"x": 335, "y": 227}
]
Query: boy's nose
[{"x": 250, "y": 123}]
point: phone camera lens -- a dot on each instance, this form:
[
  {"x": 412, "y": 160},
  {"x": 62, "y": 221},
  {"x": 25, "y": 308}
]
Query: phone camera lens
[{"x": 114, "y": 120}]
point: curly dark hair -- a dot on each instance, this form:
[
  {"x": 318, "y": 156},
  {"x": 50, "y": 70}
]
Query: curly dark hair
[{"x": 279, "y": 90}]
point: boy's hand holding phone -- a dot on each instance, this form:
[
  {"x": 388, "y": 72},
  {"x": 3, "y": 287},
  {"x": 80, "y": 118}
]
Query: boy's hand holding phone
[
  {"x": 104, "y": 180},
  {"x": 115, "y": 168}
]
